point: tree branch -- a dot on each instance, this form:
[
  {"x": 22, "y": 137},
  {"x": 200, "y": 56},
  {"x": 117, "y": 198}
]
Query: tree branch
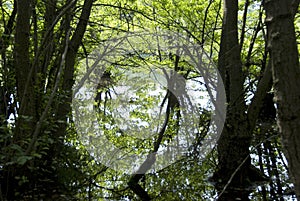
[{"x": 263, "y": 87}]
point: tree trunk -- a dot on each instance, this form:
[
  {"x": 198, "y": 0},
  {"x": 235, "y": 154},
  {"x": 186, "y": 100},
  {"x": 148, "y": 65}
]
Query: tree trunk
[
  {"x": 235, "y": 173},
  {"x": 24, "y": 73},
  {"x": 234, "y": 142},
  {"x": 27, "y": 112},
  {"x": 286, "y": 74},
  {"x": 64, "y": 108}
]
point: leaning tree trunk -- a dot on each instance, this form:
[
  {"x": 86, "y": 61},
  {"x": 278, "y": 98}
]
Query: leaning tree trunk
[
  {"x": 72, "y": 46},
  {"x": 286, "y": 76}
]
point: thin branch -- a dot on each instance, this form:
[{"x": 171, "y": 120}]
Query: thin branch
[
  {"x": 51, "y": 99},
  {"x": 263, "y": 87},
  {"x": 244, "y": 24}
]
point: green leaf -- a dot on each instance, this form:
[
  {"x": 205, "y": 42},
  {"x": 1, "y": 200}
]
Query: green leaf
[{"x": 23, "y": 159}]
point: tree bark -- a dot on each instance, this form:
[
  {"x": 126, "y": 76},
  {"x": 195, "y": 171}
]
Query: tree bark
[
  {"x": 286, "y": 74},
  {"x": 64, "y": 108},
  {"x": 24, "y": 73},
  {"x": 26, "y": 99},
  {"x": 235, "y": 173},
  {"x": 233, "y": 145}
]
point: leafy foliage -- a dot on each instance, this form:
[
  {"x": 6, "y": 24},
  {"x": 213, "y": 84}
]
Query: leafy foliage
[{"x": 62, "y": 167}]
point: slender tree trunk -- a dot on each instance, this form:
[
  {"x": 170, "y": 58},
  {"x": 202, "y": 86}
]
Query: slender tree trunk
[
  {"x": 24, "y": 73},
  {"x": 64, "y": 108},
  {"x": 26, "y": 99},
  {"x": 286, "y": 76}
]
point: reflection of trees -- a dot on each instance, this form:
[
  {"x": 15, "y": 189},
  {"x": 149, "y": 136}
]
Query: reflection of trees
[{"x": 103, "y": 87}]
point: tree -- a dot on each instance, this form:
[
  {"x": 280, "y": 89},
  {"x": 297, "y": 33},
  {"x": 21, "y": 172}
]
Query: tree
[
  {"x": 286, "y": 71},
  {"x": 46, "y": 45},
  {"x": 235, "y": 173},
  {"x": 41, "y": 69}
]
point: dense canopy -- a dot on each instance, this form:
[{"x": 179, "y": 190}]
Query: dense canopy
[{"x": 149, "y": 100}]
